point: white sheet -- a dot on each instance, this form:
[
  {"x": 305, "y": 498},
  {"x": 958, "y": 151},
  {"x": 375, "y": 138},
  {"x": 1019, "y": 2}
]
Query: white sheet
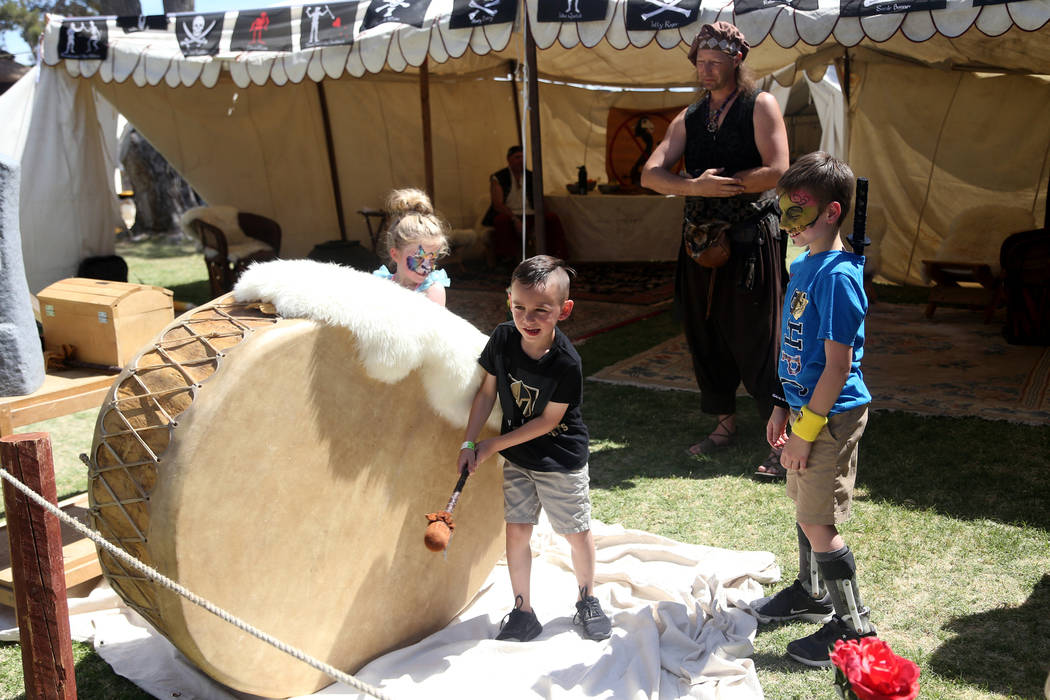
[{"x": 680, "y": 630}]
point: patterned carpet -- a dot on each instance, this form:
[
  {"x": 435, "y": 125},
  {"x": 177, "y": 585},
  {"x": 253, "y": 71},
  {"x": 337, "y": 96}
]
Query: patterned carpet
[
  {"x": 952, "y": 365},
  {"x": 487, "y": 309},
  {"x": 640, "y": 283}
]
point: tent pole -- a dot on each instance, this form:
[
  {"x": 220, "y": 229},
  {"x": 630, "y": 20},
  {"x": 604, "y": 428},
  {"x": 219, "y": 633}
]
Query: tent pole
[
  {"x": 539, "y": 223},
  {"x": 337, "y": 192},
  {"x": 428, "y": 146},
  {"x": 513, "y": 66}
]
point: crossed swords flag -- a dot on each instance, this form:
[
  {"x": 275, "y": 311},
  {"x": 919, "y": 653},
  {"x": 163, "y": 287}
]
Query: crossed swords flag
[
  {"x": 645, "y": 15},
  {"x": 477, "y": 13}
]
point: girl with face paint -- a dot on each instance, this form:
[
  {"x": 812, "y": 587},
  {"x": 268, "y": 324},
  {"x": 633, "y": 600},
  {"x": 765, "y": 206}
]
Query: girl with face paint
[{"x": 415, "y": 239}]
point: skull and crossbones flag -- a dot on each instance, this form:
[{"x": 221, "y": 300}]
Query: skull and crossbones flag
[
  {"x": 263, "y": 30},
  {"x": 867, "y": 8},
  {"x": 411, "y": 12},
  {"x": 140, "y": 23},
  {"x": 476, "y": 13},
  {"x": 742, "y": 7},
  {"x": 83, "y": 37},
  {"x": 571, "y": 10},
  {"x": 329, "y": 24},
  {"x": 198, "y": 33},
  {"x": 660, "y": 14}
]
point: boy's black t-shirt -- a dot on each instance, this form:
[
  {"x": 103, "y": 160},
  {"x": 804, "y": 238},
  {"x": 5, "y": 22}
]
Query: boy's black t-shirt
[{"x": 525, "y": 386}]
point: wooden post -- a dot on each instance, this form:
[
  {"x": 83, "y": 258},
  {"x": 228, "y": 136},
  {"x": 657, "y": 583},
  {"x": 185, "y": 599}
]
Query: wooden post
[
  {"x": 333, "y": 170},
  {"x": 512, "y": 67},
  {"x": 37, "y": 567},
  {"x": 428, "y": 146},
  {"x": 540, "y": 225}
]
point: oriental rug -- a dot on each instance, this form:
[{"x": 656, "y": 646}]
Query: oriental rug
[
  {"x": 487, "y": 309},
  {"x": 640, "y": 283},
  {"x": 951, "y": 365}
]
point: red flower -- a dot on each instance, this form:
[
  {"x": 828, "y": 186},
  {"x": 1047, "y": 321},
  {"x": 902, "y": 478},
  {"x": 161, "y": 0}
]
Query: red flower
[{"x": 874, "y": 672}]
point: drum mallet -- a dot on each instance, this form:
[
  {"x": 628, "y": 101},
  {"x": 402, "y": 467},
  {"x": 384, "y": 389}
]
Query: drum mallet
[{"x": 439, "y": 531}]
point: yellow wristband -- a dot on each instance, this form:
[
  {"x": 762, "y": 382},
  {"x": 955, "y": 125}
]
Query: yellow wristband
[{"x": 808, "y": 424}]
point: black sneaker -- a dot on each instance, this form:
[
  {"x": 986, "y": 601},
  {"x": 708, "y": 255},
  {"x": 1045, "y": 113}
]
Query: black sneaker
[
  {"x": 794, "y": 603},
  {"x": 589, "y": 613},
  {"x": 518, "y": 624},
  {"x": 815, "y": 650}
]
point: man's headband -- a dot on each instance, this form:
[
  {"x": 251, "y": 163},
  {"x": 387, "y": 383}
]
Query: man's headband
[{"x": 720, "y": 36}]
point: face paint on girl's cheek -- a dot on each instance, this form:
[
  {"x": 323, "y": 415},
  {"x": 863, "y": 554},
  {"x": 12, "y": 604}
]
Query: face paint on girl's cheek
[
  {"x": 798, "y": 211},
  {"x": 422, "y": 262}
]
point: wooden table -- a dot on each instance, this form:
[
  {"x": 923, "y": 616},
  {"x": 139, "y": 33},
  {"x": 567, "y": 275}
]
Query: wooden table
[{"x": 63, "y": 392}]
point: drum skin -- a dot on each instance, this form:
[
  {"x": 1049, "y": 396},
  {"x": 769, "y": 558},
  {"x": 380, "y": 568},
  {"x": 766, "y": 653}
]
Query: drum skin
[{"x": 272, "y": 475}]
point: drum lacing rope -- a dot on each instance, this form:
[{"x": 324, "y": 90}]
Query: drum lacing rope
[{"x": 189, "y": 595}]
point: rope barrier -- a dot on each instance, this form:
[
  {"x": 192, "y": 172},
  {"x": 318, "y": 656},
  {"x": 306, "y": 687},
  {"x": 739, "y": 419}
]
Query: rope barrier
[{"x": 189, "y": 595}]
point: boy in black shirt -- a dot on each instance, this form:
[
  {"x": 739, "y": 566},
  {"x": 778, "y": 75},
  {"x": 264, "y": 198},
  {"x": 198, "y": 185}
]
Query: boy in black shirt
[{"x": 536, "y": 373}]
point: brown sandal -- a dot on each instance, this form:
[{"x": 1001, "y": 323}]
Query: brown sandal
[
  {"x": 771, "y": 468},
  {"x": 707, "y": 446}
]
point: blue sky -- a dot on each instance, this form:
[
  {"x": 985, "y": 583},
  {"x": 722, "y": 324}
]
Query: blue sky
[{"x": 15, "y": 45}]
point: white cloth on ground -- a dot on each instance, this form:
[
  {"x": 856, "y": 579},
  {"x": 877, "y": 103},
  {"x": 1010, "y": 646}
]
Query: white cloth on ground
[{"x": 680, "y": 630}]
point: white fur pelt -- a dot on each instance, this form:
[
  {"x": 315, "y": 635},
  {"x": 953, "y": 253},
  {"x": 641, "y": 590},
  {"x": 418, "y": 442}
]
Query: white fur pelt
[{"x": 397, "y": 330}]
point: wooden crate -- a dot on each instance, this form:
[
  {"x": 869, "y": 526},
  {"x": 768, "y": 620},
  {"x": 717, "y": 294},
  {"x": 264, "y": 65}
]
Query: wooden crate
[
  {"x": 78, "y": 552},
  {"x": 107, "y": 322}
]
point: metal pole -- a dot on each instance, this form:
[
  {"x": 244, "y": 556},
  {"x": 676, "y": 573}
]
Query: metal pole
[
  {"x": 428, "y": 146},
  {"x": 539, "y": 225},
  {"x": 333, "y": 171}
]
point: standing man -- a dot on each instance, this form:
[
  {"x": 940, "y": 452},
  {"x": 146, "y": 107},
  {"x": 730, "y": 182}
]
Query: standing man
[
  {"x": 505, "y": 213},
  {"x": 735, "y": 147}
]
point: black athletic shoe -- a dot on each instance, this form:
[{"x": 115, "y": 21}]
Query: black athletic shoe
[
  {"x": 589, "y": 613},
  {"x": 794, "y": 603},
  {"x": 815, "y": 650},
  {"x": 519, "y": 625}
]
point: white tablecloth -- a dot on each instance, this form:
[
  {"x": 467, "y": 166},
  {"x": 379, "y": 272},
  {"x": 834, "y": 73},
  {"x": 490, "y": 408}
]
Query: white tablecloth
[{"x": 620, "y": 227}]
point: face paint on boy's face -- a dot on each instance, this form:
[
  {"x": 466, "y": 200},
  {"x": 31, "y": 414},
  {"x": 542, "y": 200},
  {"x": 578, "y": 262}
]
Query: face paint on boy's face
[
  {"x": 422, "y": 262},
  {"x": 798, "y": 211}
]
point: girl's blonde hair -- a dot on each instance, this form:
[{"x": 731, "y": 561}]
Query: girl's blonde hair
[{"x": 410, "y": 219}]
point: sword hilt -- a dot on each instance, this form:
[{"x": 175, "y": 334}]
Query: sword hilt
[{"x": 858, "y": 241}]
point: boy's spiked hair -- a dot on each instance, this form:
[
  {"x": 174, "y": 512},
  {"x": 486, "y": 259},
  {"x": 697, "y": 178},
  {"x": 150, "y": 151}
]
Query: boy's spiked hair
[
  {"x": 537, "y": 271},
  {"x": 825, "y": 177}
]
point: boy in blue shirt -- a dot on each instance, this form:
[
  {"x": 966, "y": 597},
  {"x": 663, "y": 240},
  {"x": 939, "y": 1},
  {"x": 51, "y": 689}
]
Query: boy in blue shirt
[{"x": 822, "y": 341}]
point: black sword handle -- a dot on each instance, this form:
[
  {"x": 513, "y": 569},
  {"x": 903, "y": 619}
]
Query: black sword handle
[
  {"x": 456, "y": 491},
  {"x": 860, "y": 218}
]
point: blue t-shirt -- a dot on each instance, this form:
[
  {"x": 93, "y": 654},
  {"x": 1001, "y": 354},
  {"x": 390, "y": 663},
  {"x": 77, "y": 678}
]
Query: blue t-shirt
[{"x": 825, "y": 300}]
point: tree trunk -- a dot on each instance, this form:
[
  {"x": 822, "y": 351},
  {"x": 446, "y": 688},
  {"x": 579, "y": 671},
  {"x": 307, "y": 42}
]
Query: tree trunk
[
  {"x": 178, "y": 6},
  {"x": 161, "y": 195}
]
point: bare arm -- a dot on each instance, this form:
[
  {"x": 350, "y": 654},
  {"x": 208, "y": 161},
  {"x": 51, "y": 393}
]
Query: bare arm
[
  {"x": 480, "y": 409},
  {"x": 657, "y": 175},
  {"x": 543, "y": 424},
  {"x": 838, "y": 360},
  {"x": 496, "y": 195},
  {"x": 772, "y": 143},
  {"x": 435, "y": 293}
]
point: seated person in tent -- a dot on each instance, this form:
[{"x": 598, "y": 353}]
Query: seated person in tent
[{"x": 505, "y": 213}]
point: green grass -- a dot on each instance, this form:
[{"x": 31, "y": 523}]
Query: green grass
[{"x": 951, "y": 525}]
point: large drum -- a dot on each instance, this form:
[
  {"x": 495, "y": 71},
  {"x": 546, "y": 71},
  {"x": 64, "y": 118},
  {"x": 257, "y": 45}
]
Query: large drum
[{"x": 275, "y": 452}]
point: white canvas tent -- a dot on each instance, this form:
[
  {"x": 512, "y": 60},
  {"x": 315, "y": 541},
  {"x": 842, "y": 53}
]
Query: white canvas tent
[{"x": 948, "y": 110}]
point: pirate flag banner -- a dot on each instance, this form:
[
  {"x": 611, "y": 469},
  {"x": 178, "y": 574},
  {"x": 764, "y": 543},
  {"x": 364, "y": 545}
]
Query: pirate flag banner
[
  {"x": 744, "y": 6},
  {"x": 140, "y": 23},
  {"x": 83, "y": 37},
  {"x": 401, "y": 11},
  {"x": 198, "y": 34},
  {"x": 866, "y": 8},
  {"x": 330, "y": 24},
  {"x": 571, "y": 10},
  {"x": 476, "y": 13},
  {"x": 263, "y": 30},
  {"x": 660, "y": 14}
]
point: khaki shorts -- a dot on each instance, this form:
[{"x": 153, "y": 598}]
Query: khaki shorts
[
  {"x": 564, "y": 495},
  {"x": 823, "y": 493}
]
